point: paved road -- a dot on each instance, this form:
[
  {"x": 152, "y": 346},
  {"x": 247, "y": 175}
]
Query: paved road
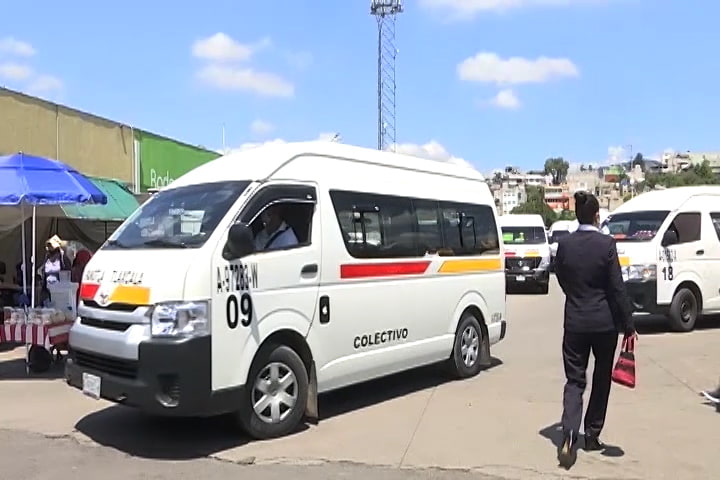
[{"x": 501, "y": 424}]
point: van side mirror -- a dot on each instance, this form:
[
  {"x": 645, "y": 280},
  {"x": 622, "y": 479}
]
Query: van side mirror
[
  {"x": 240, "y": 242},
  {"x": 670, "y": 237}
]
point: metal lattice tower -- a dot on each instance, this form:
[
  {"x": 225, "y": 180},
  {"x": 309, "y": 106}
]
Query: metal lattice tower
[{"x": 385, "y": 12}]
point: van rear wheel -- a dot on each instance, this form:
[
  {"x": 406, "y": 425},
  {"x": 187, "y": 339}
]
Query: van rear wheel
[
  {"x": 684, "y": 310},
  {"x": 276, "y": 393},
  {"x": 467, "y": 349}
]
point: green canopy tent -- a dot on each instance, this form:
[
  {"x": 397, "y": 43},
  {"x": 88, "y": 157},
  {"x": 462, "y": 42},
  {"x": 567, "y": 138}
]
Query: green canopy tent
[
  {"x": 93, "y": 224},
  {"x": 121, "y": 203}
]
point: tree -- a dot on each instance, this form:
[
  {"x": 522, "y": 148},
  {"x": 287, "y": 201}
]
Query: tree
[
  {"x": 535, "y": 204},
  {"x": 566, "y": 215},
  {"x": 698, "y": 174},
  {"x": 638, "y": 160},
  {"x": 582, "y": 167},
  {"x": 558, "y": 168}
]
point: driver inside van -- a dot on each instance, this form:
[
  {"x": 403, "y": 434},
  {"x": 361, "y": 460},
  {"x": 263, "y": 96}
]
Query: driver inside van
[{"x": 276, "y": 233}]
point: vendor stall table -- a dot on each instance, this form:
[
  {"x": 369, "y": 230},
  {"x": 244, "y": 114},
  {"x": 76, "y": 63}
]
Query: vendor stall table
[{"x": 41, "y": 339}]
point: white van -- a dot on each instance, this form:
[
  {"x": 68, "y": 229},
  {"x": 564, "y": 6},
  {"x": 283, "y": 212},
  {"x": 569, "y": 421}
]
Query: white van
[
  {"x": 668, "y": 244},
  {"x": 396, "y": 263},
  {"x": 527, "y": 253}
]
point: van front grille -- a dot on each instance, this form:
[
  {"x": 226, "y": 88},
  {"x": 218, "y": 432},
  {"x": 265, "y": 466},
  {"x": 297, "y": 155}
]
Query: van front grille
[{"x": 102, "y": 363}]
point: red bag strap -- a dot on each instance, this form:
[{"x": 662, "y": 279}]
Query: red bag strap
[{"x": 628, "y": 344}]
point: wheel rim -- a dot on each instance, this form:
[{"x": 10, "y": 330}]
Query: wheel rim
[
  {"x": 469, "y": 346},
  {"x": 275, "y": 393},
  {"x": 687, "y": 309}
]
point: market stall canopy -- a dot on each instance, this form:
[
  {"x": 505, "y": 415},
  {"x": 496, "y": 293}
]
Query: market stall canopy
[
  {"x": 42, "y": 181},
  {"x": 121, "y": 203}
]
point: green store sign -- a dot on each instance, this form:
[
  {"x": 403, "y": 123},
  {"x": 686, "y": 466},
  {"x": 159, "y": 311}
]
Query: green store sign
[{"x": 162, "y": 160}]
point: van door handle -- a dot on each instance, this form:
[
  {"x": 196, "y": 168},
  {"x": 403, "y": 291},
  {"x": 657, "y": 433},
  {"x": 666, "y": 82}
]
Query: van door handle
[
  {"x": 700, "y": 252},
  {"x": 309, "y": 269}
]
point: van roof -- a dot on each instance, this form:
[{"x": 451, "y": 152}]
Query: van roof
[
  {"x": 668, "y": 199},
  {"x": 261, "y": 162},
  {"x": 522, "y": 220}
]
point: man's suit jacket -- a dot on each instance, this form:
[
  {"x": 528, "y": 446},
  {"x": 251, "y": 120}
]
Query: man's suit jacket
[{"x": 588, "y": 270}]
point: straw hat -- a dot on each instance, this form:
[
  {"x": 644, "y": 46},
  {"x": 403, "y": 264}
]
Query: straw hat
[{"x": 55, "y": 242}]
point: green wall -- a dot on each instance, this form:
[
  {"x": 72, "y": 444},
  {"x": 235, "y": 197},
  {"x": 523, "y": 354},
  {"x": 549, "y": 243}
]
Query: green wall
[{"x": 162, "y": 160}]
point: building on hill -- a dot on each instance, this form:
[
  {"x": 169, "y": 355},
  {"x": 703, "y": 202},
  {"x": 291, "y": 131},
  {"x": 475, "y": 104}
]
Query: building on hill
[{"x": 94, "y": 145}]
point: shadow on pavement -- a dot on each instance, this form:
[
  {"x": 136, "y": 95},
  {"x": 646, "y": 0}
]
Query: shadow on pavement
[
  {"x": 374, "y": 392},
  {"x": 655, "y": 325},
  {"x": 554, "y": 434},
  {"x": 157, "y": 438},
  {"x": 14, "y": 369},
  {"x": 135, "y": 434}
]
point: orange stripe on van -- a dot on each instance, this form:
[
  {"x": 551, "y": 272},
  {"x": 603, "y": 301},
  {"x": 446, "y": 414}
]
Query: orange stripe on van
[{"x": 474, "y": 265}]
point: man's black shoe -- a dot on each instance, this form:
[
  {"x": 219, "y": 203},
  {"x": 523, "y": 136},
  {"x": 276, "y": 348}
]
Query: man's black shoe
[
  {"x": 567, "y": 452},
  {"x": 593, "y": 444}
]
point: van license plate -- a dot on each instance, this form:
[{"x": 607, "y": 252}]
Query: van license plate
[
  {"x": 520, "y": 278},
  {"x": 91, "y": 385}
]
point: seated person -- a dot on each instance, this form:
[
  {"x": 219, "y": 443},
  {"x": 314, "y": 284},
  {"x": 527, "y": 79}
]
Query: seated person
[{"x": 276, "y": 233}]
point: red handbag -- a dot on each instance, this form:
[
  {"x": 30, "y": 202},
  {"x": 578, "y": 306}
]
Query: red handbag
[{"x": 624, "y": 371}]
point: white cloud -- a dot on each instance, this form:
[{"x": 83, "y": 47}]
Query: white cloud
[
  {"x": 44, "y": 84},
  {"x": 261, "y": 127},
  {"x": 467, "y": 9},
  {"x": 221, "y": 50},
  {"x": 246, "y": 79},
  {"x": 15, "y": 71},
  {"x": 322, "y": 137},
  {"x": 617, "y": 154},
  {"x": 13, "y": 46},
  {"x": 506, "y": 99},
  {"x": 432, "y": 150},
  {"x": 488, "y": 67},
  {"x": 220, "y": 47}
]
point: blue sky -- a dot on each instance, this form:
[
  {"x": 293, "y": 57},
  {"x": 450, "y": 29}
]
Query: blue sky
[{"x": 588, "y": 78}]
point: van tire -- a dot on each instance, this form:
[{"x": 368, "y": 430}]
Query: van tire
[
  {"x": 469, "y": 335},
  {"x": 684, "y": 310},
  {"x": 283, "y": 362}
]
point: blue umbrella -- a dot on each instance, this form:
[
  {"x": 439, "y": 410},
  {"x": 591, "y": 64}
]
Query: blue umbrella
[
  {"x": 42, "y": 181},
  {"x": 37, "y": 182}
]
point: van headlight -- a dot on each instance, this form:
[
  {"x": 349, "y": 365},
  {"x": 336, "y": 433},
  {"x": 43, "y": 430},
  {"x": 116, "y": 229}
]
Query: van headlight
[
  {"x": 544, "y": 263},
  {"x": 180, "y": 319},
  {"x": 639, "y": 272}
]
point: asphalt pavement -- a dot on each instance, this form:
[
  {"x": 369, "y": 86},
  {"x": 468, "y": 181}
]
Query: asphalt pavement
[{"x": 501, "y": 424}]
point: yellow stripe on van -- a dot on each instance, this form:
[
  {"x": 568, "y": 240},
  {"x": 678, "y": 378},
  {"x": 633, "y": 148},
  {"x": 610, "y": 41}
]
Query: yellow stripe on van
[
  {"x": 475, "y": 265},
  {"x": 624, "y": 261},
  {"x": 131, "y": 294}
]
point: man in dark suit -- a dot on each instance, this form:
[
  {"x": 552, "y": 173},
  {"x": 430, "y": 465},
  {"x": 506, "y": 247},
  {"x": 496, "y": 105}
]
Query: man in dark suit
[{"x": 597, "y": 307}]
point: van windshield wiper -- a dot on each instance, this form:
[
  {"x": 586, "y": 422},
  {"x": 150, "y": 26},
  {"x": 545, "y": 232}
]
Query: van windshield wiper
[
  {"x": 164, "y": 243},
  {"x": 117, "y": 243}
]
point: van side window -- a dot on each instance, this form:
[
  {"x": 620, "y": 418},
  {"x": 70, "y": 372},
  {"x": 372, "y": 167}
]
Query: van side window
[
  {"x": 687, "y": 226},
  {"x": 385, "y": 226},
  {"x": 715, "y": 216},
  {"x": 376, "y": 226},
  {"x": 429, "y": 232},
  {"x": 468, "y": 229},
  {"x": 293, "y": 204}
]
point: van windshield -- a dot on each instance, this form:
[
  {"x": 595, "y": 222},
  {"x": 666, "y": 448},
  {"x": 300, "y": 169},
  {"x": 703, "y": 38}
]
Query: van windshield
[
  {"x": 524, "y": 235},
  {"x": 636, "y": 226},
  {"x": 183, "y": 217},
  {"x": 557, "y": 235}
]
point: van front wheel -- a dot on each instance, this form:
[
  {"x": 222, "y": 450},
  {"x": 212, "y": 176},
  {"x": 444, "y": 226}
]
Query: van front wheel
[
  {"x": 684, "y": 310},
  {"x": 276, "y": 393}
]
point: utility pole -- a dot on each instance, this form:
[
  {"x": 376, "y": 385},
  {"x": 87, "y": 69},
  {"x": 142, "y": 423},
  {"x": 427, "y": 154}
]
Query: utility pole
[{"x": 385, "y": 12}]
